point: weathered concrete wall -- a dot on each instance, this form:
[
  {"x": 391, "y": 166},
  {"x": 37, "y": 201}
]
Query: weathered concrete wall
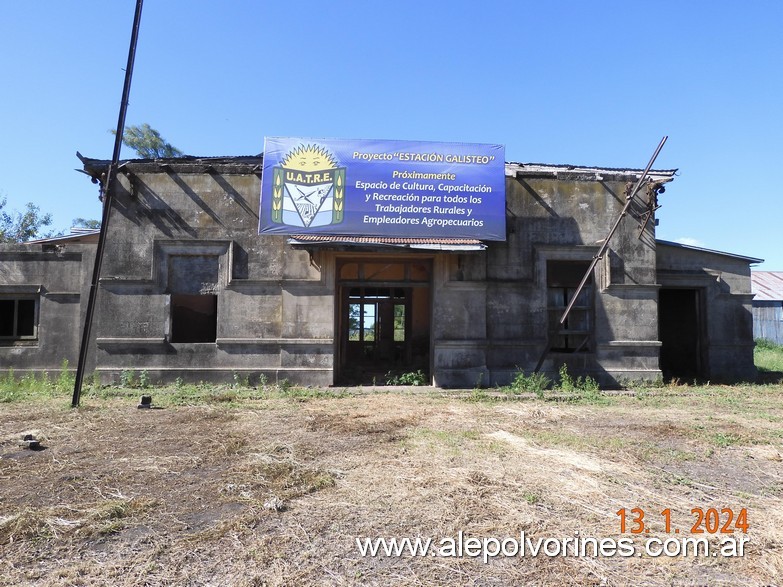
[
  {"x": 186, "y": 227},
  {"x": 57, "y": 277},
  {"x": 724, "y": 281},
  {"x": 275, "y": 307},
  {"x": 491, "y": 309}
]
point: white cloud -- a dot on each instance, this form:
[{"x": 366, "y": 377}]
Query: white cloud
[{"x": 691, "y": 242}]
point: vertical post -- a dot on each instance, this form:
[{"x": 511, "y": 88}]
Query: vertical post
[{"x": 108, "y": 192}]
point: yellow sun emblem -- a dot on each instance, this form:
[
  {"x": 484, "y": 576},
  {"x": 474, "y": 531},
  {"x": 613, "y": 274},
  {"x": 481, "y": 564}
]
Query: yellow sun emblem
[
  {"x": 308, "y": 188},
  {"x": 309, "y": 158}
]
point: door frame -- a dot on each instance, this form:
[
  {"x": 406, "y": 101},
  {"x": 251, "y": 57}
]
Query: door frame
[
  {"x": 700, "y": 354},
  {"x": 409, "y": 282}
]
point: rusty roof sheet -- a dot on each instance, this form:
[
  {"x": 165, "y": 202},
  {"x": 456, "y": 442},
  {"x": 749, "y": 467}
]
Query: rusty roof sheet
[
  {"x": 384, "y": 239},
  {"x": 767, "y": 285},
  {"x": 443, "y": 244}
]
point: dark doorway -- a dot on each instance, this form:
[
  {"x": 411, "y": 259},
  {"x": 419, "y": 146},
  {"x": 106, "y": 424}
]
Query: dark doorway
[
  {"x": 679, "y": 327},
  {"x": 383, "y": 319}
]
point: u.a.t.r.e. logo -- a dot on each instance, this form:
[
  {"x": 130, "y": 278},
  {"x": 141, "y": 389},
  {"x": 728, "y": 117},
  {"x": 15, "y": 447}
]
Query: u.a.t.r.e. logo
[{"x": 308, "y": 188}]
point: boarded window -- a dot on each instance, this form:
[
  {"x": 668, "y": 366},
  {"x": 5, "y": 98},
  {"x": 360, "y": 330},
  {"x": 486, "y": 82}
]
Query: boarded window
[
  {"x": 17, "y": 318},
  {"x": 576, "y": 333}
]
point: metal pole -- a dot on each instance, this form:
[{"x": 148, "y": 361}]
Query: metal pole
[
  {"x": 602, "y": 250},
  {"x": 108, "y": 192}
]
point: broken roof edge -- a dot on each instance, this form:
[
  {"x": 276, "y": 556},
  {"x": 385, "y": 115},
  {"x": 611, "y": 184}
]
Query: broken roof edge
[
  {"x": 240, "y": 164},
  {"x": 585, "y": 172},
  {"x": 749, "y": 260},
  {"x": 254, "y": 163}
]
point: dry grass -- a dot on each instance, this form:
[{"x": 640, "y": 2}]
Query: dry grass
[{"x": 275, "y": 491}]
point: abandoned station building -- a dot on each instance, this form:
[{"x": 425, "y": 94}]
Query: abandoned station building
[{"x": 191, "y": 288}]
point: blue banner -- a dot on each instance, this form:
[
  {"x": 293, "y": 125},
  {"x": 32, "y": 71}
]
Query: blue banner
[{"x": 383, "y": 188}]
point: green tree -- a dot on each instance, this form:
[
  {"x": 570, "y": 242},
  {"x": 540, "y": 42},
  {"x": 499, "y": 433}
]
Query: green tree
[
  {"x": 86, "y": 223},
  {"x": 148, "y": 143},
  {"x": 20, "y": 227},
  {"x": 399, "y": 322}
]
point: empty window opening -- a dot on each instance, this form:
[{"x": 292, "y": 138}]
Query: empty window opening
[
  {"x": 193, "y": 284},
  {"x": 193, "y": 318},
  {"x": 575, "y": 335},
  {"x": 17, "y": 318}
]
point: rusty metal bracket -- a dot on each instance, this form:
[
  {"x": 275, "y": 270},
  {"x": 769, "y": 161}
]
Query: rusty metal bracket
[{"x": 653, "y": 189}]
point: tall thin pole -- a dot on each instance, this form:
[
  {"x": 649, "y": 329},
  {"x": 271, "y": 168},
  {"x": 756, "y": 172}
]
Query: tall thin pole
[
  {"x": 108, "y": 192},
  {"x": 629, "y": 198},
  {"x": 602, "y": 251}
]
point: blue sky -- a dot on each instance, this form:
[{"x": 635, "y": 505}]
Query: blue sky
[{"x": 586, "y": 83}]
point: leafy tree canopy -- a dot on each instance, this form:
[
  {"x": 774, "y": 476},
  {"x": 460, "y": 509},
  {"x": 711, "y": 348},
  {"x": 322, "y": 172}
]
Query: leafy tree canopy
[
  {"x": 20, "y": 227},
  {"x": 86, "y": 223},
  {"x": 148, "y": 143}
]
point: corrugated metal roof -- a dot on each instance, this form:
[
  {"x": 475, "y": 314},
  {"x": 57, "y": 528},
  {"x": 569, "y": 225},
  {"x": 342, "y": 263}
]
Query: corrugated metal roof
[
  {"x": 439, "y": 244},
  {"x": 767, "y": 285},
  {"x": 385, "y": 239}
]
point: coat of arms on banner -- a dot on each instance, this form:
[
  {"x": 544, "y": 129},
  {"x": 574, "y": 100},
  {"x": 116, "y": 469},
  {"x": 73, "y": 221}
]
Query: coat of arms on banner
[{"x": 308, "y": 189}]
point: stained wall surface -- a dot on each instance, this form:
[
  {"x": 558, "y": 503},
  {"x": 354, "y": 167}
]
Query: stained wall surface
[{"x": 183, "y": 253}]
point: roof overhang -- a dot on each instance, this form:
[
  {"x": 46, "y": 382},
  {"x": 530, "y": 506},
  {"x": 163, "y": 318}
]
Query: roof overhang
[
  {"x": 254, "y": 163},
  {"x": 372, "y": 243},
  {"x": 585, "y": 173},
  {"x": 749, "y": 260}
]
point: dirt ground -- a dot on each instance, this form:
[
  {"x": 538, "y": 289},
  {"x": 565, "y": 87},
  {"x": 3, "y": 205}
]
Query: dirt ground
[{"x": 276, "y": 490}]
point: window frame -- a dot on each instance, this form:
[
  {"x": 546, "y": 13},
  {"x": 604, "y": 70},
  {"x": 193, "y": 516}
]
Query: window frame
[
  {"x": 582, "y": 336},
  {"x": 164, "y": 250},
  {"x": 16, "y": 298},
  {"x": 585, "y": 254}
]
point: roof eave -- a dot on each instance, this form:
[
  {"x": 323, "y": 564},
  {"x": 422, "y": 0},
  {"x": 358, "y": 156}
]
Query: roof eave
[{"x": 750, "y": 260}]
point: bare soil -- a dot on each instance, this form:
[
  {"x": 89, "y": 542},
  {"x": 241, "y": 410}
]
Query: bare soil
[{"x": 276, "y": 490}]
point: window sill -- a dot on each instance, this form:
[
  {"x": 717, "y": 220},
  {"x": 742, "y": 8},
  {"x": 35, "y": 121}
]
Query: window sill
[{"x": 17, "y": 342}]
